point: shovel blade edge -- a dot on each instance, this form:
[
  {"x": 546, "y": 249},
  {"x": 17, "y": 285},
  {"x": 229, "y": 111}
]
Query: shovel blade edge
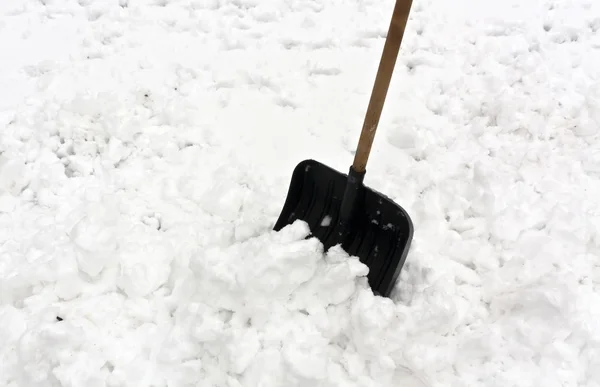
[{"x": 379, "y": 234}]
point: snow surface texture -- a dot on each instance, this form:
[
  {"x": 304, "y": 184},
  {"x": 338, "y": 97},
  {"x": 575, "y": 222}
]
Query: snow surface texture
[{"x": 146, "y": 151}]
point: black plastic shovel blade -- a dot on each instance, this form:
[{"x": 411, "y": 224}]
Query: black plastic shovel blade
[{"x": 379, "y": 232}]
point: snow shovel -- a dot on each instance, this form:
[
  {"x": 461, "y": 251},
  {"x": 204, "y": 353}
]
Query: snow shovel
[{"x": 339, "y": 209}]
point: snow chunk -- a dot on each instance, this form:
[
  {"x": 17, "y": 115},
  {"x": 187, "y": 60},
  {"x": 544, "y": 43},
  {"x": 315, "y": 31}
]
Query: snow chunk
[
  {"x": 95, "y": 236},
  {"x": 14, "y": 176},
  {"x": 145, "y": 263}
]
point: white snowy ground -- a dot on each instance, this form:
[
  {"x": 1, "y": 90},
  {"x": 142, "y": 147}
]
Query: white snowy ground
[{"x": 146, "y": 150}]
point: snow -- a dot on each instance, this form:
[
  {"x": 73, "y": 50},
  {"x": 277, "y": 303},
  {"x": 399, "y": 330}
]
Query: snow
[{"x": 146, "y": 149}]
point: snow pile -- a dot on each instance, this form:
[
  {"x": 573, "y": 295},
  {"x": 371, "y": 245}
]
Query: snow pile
[
  {"x": 267, "y": 311},
  {"x": 146, "y": 150}
]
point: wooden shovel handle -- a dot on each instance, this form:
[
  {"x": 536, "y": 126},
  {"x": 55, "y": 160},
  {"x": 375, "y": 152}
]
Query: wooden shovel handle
[{"x": 382, "y": 83}]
